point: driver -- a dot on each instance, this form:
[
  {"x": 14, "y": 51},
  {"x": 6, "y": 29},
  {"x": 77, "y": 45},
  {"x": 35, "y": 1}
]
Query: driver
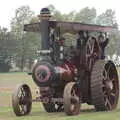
[{"x": 103, "y": 43}]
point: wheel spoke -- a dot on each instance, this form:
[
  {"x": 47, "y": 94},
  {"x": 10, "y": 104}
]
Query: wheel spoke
[
  {"x": 112, "y": 98},
  {"x": 73, "y": 93},
  {"x": 107, "y": 103},
  {"x": 22, "y": 92},
  {"x": 108, "y": 69},
  {"x": 113, "y": 94},
  {"x": 108, "y": 72},
  {"x": 90, "y": 63},
  {"x": 72, "y": 107},
  {"x": 92, "y": 46},
  {"x": 104, "y": 93},
  {"x": 74, "y": 96},
  {"x": 103, "y": 86},
  {"x": 112, "y": 79},
  {"x": 105, "y": 75},
  {"x": 90, "y": 52},
  {"x": 19, "y": 94},
  {"x": 21, "y": 109}
]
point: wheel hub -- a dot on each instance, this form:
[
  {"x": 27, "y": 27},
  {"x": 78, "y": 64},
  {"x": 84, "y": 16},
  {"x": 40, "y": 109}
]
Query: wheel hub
[{"x": 109, "y": 85}]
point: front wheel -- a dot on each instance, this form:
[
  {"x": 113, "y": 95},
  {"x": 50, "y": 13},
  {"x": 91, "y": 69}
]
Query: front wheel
[
  {"x": 22, "y": 100},
  {"x": 71, "y": 99}
]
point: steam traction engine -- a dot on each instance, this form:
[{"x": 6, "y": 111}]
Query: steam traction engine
[{"x": 68, "y": 78}]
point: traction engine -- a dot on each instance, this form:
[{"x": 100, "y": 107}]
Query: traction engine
[{"x": 68, "y": 78}]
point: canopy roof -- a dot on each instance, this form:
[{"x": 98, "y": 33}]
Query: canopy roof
[{"x": 69, "y": 27}]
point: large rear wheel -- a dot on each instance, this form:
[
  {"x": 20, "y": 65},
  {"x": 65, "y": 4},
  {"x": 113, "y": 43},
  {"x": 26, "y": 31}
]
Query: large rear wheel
[{"x": 104, "y": 86}]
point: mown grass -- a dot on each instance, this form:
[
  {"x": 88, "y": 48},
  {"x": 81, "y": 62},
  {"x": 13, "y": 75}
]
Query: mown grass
[
  {"x": 8, "y": 82},
  {"x": 39, "y": 114}
]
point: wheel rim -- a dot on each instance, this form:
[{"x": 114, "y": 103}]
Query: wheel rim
[
  {"x": 22, "y": 100},
  {"x": 71, "y": 99},
  {"x": 110, "y": 86}
]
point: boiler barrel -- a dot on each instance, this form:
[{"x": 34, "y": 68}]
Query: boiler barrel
[{"x": 46, "y": 74}]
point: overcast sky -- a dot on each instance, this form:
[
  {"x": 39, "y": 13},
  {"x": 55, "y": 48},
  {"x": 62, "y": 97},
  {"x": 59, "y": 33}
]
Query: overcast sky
[{"x": 8, "y": 7}]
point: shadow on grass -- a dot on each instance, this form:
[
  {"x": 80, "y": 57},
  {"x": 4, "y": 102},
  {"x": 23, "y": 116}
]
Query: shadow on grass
[
  {"x": 46, "y": 114},
  {"x": 58, "y": 114},
  {"x": 88, "y": 110}
]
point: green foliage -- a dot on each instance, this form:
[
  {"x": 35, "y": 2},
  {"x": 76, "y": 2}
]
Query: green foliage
[
  {"x": 107, "y": 18},
  {"x": 23, "y": 15},
  {"x": 27, "y": 42},
  {"x": 57, "y": 15},
  {"x": 114, "y": 44},
  {"x": 20, "y": 47},
  {"x": 86, "y": 15},
  {"x": 7, "y": 45}
]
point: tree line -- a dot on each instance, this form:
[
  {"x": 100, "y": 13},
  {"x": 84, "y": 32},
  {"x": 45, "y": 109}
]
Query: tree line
[{"x": 19, "y": 48}]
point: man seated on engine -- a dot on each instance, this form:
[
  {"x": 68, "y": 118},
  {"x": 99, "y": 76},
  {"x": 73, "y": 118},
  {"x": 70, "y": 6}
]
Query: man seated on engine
[{"x": 103, "y": 41}]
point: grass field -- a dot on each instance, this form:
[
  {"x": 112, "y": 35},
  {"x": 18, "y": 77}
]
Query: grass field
[{"x": 8, "y": 82}]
